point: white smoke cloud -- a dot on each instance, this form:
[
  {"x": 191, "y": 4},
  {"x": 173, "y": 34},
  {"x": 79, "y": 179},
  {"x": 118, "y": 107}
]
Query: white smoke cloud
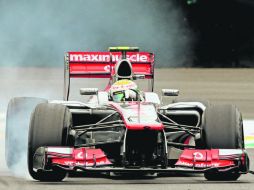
[{"x": 37, "y": 33}]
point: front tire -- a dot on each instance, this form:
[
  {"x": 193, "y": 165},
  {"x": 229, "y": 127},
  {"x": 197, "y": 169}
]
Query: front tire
[
  {"x": 222, "y": 176},
  {"x": 223, "y": 129},
  {"x": 48, "y": 127}
]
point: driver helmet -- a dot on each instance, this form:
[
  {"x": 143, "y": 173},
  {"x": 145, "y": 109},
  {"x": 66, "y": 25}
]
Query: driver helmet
[{"x": 124, "y": 90}]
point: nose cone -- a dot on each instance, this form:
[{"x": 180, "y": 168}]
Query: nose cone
[{"x": 124, "y": 69}]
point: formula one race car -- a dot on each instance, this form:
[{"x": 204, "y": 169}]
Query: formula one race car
[{"x": 122, "y": 129}]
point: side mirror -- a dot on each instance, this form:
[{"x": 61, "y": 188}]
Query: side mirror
[
  {"x": 88, "y": 91},
  {"x": 170, "y": 92}
]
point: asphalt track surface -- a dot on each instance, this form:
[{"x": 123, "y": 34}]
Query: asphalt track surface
[{"x": 217, "y": 85}]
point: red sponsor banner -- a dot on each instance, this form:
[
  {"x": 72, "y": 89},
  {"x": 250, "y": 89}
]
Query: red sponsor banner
[
  {"x": 202, "y": 159},
  {"x": 106, "y": 69},
  {"x": 198, "y": 164},
  {"x": 102, "y": 64},
  {"x": 107, "y": 57},
  {"x": 79, "y": 68},
  {"x": 81, "y": 157}
]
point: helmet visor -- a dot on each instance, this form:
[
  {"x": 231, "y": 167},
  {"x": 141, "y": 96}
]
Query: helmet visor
[{"x": 118, "y": 96}]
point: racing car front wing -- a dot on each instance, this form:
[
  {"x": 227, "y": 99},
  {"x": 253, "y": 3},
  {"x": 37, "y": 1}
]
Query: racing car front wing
[{"x": 95, "y": 160}]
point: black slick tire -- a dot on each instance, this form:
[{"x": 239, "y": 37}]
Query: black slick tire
[
  {"x": 223, "y": 129},
  {"x": 49, "y": 126}
]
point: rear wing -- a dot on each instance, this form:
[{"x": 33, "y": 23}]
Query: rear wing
[{"x": 102, "y": 65}]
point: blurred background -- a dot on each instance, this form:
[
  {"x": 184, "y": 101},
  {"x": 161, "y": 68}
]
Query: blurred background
[
  {"x": 223, "y": 32},
  {"x": 182, "y": 33}
]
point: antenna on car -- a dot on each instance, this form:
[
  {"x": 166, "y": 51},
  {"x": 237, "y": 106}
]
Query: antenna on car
[{"x": 123, "y": 50}]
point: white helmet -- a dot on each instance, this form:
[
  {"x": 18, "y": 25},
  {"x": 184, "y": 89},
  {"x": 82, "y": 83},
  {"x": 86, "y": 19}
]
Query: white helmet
[{"x": 124, "y": 90}]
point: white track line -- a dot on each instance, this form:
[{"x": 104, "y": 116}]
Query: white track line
[
  {"x": 248, "y": 127},
  {"x": 249, "y": 133}
]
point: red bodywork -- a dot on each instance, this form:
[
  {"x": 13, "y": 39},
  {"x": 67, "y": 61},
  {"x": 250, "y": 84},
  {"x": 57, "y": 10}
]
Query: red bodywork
[
  {"x": 86, "y": 158},
  {"x": 203, "y": 159},
  {"x": 77, "y": 157},
  {"x": 138, "y": 110}
]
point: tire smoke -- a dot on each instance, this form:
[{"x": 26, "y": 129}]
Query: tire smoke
[{"x": 37, "y": 33}]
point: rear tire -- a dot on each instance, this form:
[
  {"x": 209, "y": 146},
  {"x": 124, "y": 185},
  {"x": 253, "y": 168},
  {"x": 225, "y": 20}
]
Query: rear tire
[
  {"x": 223, "y": 129},
  {"x": 17, "y": 125},
  {"x": 48, "y": 127}
]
